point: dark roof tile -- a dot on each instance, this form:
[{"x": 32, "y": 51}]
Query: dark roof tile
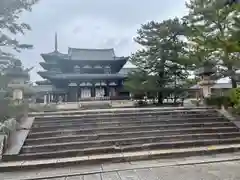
[{"x": 91, "y": 54}]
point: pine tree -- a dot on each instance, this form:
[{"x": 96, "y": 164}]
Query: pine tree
[
  {"x": 213, "y": 29},
  {"x": 140, "y": 83},
  {"x": 163, "y": 54}
]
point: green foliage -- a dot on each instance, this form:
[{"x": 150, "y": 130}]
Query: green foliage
[
  {"x": 10, "y": 72},
  {"x": 10, "y": 115},
  {"x": 10, "y": 110},
  {"x": 189, "y": 82},
  {"x": 10, "y": 11},
  {"x": 4, "y": 80},
  {"x": 138, "y": 82},
  {"x": 138, "y": 96},
  {"x": 8, "y": 126},
  {"x": 235, "y": 99},
  {"x": 162, "y": 58},
  {"x": 212, "y": 30},
  {"x": 213, "y": 34},
  {"x": 218, "y": 101},
  {"x": 235, "y": 96}
]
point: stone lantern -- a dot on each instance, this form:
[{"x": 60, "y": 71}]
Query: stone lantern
[
  {"x": 206, "y": 82},
  {"x": 18, "y": 80}
]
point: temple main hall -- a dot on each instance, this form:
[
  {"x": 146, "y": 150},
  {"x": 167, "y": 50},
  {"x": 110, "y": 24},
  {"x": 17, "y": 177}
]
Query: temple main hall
[{"x": 83, "y": 74}]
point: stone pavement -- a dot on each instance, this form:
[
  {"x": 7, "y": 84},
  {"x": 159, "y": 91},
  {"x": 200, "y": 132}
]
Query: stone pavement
[
  {"x": 215, "y": 167},
  {"x": 215, "y": 171}
]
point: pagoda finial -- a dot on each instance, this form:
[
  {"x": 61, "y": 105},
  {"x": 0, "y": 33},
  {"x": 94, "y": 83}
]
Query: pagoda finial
[{"x": 56, "y": 42}]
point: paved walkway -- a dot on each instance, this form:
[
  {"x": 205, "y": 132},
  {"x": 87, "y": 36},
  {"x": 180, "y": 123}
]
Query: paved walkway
[
  {"x": 216, "y": 167},
  {"x": 216, "y": 171}
]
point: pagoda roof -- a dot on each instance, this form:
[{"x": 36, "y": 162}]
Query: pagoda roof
[
  {"x": 71, "y": 76},
  {"x": 77, "y": 56},
  {"x": 54, "y": 54},
  {"x": 116, "y": 65},
  {"x": 44, "y": 82},
  {"x": 91, "y": 54},
  {"x": 48, "y": 65}
]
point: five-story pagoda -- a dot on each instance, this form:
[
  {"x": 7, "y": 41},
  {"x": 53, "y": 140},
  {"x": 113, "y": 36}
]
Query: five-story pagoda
[{"x": 82, "y": 74}]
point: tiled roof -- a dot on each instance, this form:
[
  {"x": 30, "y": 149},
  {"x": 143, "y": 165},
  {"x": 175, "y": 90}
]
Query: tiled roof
[
  {"x": 88, "y": 76},
  {"x": 43, "y": 82},
  {"x": 215, "y": 86},
  {"x": 53, "y": 55},
  {"x": 81, "y": 76},
  {"x": 222, "y": 86},
  {"x": 91, "y": 54}
]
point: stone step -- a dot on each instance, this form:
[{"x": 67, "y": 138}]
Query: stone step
[
  {"x": 165, "y": 124},
  {"x": 147, "y": 120},
  {"x": 124, "y": 119},
  {"x": 109, "y": 136},
  {"x": 115, "y": 110},
  {"x": 124, "y": 148},
  {"x": 133, "y": 117},
  {"x": 121, "y": 142},
  {"x": 117, "y": 157},
  {"x": 125, "y": 114},
  {"x": 134, "y": 130},
  {"x": 134, "y": 127},
  {"x": 120, "y": 110}
]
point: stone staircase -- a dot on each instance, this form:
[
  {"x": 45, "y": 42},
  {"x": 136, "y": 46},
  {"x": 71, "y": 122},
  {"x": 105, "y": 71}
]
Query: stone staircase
[{"x": 58, "y": 139}]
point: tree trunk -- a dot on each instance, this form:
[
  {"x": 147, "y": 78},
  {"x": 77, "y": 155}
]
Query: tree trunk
[
  {"x": 161, "y": 85},
  {"x": 160, "y": 98},
  {"x": 234, "y": 82},
  {"x": 175, "y": 99}
]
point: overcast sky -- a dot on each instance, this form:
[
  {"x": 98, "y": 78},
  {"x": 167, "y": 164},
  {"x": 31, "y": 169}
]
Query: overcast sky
[{"x": 91, "y": 24}]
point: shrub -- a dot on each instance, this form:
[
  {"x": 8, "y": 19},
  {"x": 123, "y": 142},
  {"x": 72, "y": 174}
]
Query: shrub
[
  {"x": 235, "y": 96},
  {"x": 218, "y": 101},
  {"x": 10, "y": 110},
  {"x": 8, "y": 126},
  {"x": 235, "y": 99},
  {"x": 138, "y": 96}
]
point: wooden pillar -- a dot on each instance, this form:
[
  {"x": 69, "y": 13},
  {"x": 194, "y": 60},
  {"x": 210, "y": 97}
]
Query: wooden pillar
[
  {"x": 80, "y": 90},
  {"x": 48, "y": 98},
  {"x": 93, "y": 91},
  {"x": 107, "y": 89},
  {"x": 51, "y": 99}
]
